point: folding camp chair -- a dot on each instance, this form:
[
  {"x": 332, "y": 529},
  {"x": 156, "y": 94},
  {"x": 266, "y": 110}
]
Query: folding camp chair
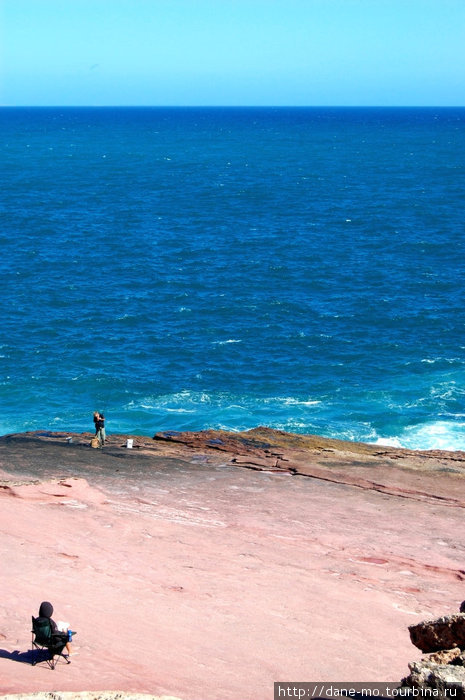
[{"x": 44, "y": 639}]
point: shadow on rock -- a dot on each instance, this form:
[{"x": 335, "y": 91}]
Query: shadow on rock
[{"x": 23, "y": 657}]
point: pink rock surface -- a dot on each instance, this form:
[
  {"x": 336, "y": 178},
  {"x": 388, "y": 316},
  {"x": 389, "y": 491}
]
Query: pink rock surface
[{"x": 207, "y": 581}]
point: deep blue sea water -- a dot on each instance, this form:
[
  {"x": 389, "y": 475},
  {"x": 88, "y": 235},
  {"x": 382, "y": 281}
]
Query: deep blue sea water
[{"x": 228, "y": 268}]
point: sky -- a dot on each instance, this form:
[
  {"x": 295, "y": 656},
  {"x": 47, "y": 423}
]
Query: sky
[{"x": 232, "y": 52}]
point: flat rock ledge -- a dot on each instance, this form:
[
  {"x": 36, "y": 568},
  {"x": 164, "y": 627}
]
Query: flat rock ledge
[
  {"x": 441, "y": 670},
  {"x": 98, "y": 695}
]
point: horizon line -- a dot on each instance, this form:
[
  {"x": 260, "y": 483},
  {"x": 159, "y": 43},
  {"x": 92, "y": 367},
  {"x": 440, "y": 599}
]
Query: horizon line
[{"x": 214, "y": 106}]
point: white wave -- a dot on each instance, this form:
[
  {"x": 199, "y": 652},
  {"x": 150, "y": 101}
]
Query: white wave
[
  {"x": 290, "y": 401},
  {"x": 225, "y": 426},
  {"x": 225, "y": 342},
  {"x": 292, "y": 424},
  {"x": 437, "y": 435},
  {"x": 388, "y": 442},
  {"x": 234, "y": 412},
  {"x": 449, "y": 360}
]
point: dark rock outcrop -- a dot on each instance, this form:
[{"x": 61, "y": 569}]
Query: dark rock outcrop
[
  {"x": 437, "y": 635},
  {"x": 442, "y": 667}
]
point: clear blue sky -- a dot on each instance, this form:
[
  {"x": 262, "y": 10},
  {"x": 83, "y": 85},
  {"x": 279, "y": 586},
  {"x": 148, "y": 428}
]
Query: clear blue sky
[{"x": 232, "y": 52}]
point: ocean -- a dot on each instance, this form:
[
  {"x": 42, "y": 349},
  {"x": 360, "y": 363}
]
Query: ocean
[{"x": 188, "y": 268}]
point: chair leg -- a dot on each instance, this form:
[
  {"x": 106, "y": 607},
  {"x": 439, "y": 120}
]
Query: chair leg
[{"x": 53, "y": 657}]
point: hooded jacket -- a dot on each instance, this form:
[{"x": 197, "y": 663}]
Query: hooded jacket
[{"x": 46, "y": 609}]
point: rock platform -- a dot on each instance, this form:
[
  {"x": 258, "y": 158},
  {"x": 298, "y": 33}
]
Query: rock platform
[{"x": 206, "y": 566}]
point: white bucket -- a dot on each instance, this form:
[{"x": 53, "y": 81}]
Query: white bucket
[{"x": 129, "y": 444}]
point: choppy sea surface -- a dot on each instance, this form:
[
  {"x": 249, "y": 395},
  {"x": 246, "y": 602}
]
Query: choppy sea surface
[{"x": 192, "y": 268}]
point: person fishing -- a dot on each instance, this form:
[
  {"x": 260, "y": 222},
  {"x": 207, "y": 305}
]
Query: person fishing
[{"x": 99, "y": 421}]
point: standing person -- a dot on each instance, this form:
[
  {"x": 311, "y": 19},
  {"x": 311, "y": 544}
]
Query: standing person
[
  {"x": 101, "y": 429},
  {"x": 96, "y": 417}
]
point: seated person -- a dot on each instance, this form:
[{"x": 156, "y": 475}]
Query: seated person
[{"x": 46, "y": 610}]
